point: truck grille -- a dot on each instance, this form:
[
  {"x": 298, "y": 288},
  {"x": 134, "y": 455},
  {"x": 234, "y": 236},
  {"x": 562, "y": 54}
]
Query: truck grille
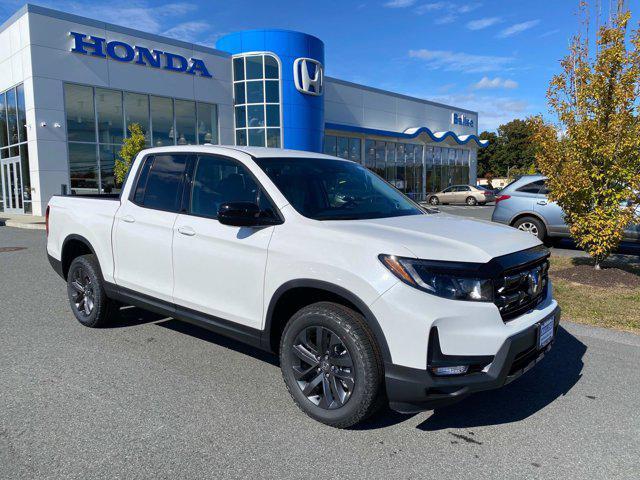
[{"x": 521, "y": 288}]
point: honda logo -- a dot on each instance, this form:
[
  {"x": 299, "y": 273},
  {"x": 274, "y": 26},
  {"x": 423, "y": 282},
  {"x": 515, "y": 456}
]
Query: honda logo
[{"x": 308, "y": 76}]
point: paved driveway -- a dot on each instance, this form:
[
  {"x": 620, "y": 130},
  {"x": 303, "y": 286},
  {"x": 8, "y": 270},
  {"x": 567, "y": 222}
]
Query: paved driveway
[{"x": 155, "y": 398}]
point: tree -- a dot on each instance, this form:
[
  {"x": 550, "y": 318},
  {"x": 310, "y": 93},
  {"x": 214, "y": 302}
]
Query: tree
[
  {"x": 511, "y": 148},
  {"x": 486, "y": 154},
  {"x": 132, "y": 145},
  {"x": 592, "y": 155}
]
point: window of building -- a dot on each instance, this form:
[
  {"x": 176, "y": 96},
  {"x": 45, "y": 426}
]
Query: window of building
[
  {"x": 256, "y": 96},
  {"x": 15, "y": 179},
  {"x": 98, "y": 119}
]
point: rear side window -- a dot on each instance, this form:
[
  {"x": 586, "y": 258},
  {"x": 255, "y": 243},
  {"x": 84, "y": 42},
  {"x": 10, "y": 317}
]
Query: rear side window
[
  {"x": 160, "y": 182},
  {"x": 533, "y": 187}
]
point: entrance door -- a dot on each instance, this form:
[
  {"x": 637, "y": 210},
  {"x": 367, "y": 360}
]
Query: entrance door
[{"x": 11, "y": 177}]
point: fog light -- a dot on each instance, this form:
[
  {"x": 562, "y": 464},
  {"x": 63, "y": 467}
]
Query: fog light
[{"x": 446, "y": 371}]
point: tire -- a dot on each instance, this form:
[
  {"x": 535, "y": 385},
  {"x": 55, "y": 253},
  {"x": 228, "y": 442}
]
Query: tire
[
  {"x": 351, "y": 374},
  {"x": 86, "y": 292},
  {"x": 471, "y": 201},
  {"x": 532, "y": 225},
  {"x": 434, "y": 200}
]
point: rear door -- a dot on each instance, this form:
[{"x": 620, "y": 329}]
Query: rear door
[
  {"x": 143, "y": 231},
  {"x": 462, "y": 192},
  {"x": 219, "y": 269},
  {"x": 550, "y": 211}
]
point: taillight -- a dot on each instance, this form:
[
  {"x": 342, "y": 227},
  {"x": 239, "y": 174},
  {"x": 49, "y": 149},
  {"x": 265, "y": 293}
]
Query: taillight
[
  {"x": 502, "y": 197},
  {"x": 486, "y": 193},
  {"x": 46, "y": 220}
]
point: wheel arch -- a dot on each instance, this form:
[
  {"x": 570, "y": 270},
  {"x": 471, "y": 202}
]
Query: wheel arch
[
  {"x": 296, "y": 294},
  {"x": 73, "y": 247}
]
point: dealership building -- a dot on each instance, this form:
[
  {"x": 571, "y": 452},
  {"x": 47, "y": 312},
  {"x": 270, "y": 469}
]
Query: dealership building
[{"x": 70, "y": 87}]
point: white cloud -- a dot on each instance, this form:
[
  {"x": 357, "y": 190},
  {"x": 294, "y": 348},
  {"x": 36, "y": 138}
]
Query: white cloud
[
  {"x": 518, "y": 28},
  {"x": 497, "y": 82},
  {"x": 470, "y": 7},
  {"x": 188, "y": 31},
  {"x": 136, "y": 14},
  {"x": 430, "y": 7},
  {"x": 492, "y": 111},
  {"x": 459, "y": 61},
  {"x": 399, "y": 3},
  {"x": 549, "y": 33},
  {"x": 445, "y": 20},
  {"x": 483, "y": 23}
]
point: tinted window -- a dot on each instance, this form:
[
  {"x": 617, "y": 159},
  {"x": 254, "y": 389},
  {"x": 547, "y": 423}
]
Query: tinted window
[
  {"x": 142, "y": 181},
  {"x": 325, "y": 189},
  {"x": 544, "y": 190},
  {"x": 164, "y": 183},
  {"x": 216, "y": 181},
  {"x": 219, "y": 180},
  {"x": 533, "y": 187}
]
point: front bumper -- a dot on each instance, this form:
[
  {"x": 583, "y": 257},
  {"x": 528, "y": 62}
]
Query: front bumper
[{"x": 412, "y": 390}]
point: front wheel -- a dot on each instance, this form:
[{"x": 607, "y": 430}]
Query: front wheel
[
  {"x": 331, "y": 365},
  {"x": 87, "y": 296},
  {"x": 434, "y": 200}
]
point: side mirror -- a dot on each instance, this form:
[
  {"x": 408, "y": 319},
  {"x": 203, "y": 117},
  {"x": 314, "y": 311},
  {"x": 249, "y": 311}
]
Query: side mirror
[{"x": 242, "y": 214}]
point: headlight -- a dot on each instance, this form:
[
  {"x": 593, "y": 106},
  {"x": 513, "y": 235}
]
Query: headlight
[{"x": 440, "y": 278}]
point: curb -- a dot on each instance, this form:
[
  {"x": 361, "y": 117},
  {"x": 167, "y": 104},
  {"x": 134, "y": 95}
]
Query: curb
[{"x": 25, "y": 226}]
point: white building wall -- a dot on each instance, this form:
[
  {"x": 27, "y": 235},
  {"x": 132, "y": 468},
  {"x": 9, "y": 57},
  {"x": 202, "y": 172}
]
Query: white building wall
[{"x": 35, "y": 50}]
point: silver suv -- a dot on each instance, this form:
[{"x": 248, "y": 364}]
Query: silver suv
[{"x": 523, "y": 204}]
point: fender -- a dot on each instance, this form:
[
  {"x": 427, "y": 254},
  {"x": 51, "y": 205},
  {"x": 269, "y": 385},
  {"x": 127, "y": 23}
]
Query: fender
[
  {"x": 69, "y": 238},
  {"x": 369, "y": 317}
]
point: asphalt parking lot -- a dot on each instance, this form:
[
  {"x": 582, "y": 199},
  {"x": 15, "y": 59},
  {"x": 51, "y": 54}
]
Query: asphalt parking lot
[{"x": 155, "y": 398}]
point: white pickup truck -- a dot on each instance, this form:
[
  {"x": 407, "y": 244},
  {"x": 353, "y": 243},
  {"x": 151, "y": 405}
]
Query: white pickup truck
[{"x": 366, "y": 297}]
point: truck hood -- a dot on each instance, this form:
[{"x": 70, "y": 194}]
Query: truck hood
[{"x": 438, "y": 237}]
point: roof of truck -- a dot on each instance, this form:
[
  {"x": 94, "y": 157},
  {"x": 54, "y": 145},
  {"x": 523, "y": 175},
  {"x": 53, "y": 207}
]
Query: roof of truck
[{"x": 258, "y": 152}]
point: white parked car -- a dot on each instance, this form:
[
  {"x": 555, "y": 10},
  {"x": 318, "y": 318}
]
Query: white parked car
[{"x": 364, "y": 295}]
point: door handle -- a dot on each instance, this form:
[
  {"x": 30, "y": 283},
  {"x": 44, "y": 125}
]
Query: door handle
[
  {"x": 128, "y": 219},
  {"x": 542, "y": 202},
  {"x": 188, "y": 231}
]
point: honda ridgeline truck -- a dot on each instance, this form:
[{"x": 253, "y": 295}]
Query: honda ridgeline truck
[{"x": 365, "y": 296}]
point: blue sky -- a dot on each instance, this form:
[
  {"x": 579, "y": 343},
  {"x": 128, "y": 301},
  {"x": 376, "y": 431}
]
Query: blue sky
[{"x": 493, "y": 56}]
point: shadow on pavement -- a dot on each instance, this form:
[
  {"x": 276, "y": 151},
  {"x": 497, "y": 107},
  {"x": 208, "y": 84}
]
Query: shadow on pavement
[
  {"x": 553, "y": 377},
  {"x": 131, "y": 316},
  {"x": 209, "y": 336},
  {"x": 625, "y": 248}
]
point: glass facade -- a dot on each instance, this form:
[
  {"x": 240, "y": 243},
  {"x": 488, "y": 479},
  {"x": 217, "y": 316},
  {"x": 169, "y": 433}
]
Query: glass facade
[
  {"x": 413, "y": 168},
  {"x": 15, "y": 191},
  {"x": 98, "y": 121},
  {"x": 256, "y": 99}
]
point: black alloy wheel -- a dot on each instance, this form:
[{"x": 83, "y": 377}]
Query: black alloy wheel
[
  {"x": 86, "y": 292},
  {"x": 83, "y": 295},
  {"x": 331, "y": 364},
  {"x": 322, "y": 367}
]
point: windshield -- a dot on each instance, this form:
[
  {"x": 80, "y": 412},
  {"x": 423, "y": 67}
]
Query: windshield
[{"x": 326, "y": 189}]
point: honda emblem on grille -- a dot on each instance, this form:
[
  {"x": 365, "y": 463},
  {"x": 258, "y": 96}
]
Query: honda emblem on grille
[
  {"x": 308, "y": 76},
  {"x": 535, "y": 282}
]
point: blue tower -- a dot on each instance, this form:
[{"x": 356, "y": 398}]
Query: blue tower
[{"x": 300, "y": 60}]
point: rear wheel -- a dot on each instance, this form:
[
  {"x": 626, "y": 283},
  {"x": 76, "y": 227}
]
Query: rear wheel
[
  {"x": 533, "y": 226},
  {"x": 471, "y": 200},
  {"x": 331, "y": 365},
  {"x": 434, "y": 200},
  {"x": 87, "y": 296}
]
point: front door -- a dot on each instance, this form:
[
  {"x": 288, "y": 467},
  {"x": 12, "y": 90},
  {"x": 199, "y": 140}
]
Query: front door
[
  {"x": 11, "y": 176},
  {"x": 219, "y": 269}
]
